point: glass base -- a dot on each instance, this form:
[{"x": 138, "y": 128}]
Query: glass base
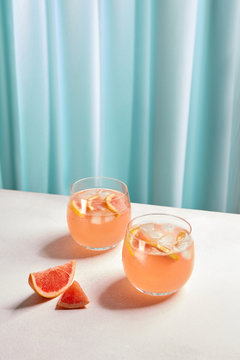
[
  {"x": 156, "y": 293},
  {"x": 99, "y": 249}
]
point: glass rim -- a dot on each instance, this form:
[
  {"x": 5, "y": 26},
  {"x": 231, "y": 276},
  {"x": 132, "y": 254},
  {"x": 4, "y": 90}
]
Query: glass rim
[
  {"x": 158, "y": 214},
  {"x": 125, "y": 193}
]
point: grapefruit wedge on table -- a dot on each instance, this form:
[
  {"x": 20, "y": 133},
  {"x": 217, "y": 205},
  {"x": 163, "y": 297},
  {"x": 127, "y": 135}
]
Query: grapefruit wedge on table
[
  {"x": 53, "y": 281},
  {"x": 73, "y": 298}
]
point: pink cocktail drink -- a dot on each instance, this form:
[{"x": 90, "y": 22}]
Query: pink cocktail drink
[
  {"x": 97, "y": 217},
  {"x": 158, "y": 253}
]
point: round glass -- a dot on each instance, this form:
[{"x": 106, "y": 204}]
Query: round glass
[
  {"x": 98, "y": 212},
  {"x": 158, "y": 253}
]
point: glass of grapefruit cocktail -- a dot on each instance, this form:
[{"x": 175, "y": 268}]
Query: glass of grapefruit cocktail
[
  {"x": 98, "y": 212},
  {"x": 158, "y": 253}
]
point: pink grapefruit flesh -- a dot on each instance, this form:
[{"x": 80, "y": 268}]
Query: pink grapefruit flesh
[
  {"x": 116, "y": 203},
  {"x": 54, "y": 281},
  {"x": 73, "y": 298},
  {"x": 95, "y": 202}
]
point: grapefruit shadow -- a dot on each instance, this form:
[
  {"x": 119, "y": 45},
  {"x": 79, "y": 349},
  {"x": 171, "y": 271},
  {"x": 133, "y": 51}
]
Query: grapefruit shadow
[
  {"x": 31, "y": 300},
  {"x": 121, "y": 295},
  {"x": 66, "y": 248}
]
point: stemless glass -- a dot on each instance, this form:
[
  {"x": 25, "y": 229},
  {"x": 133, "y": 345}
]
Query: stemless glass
[
  {"x": 98, "y": 212},
  {"x": 158, "y": 253}
]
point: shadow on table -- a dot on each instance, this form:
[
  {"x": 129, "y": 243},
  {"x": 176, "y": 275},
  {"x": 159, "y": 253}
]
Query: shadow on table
[
  {"x": 122, "y": 295},
  {"x": 31, "y": 300},
  {"x": 66, "y": 248}
]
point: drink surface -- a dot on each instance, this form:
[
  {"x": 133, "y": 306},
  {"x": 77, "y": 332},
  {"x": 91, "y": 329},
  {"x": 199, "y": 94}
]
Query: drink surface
[
  {"x": 97, "y": 218},
  {"x": 158, "y": 258}
]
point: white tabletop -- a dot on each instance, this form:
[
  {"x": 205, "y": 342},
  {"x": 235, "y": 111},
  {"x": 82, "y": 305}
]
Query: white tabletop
[{"x": 202, "y": 321}]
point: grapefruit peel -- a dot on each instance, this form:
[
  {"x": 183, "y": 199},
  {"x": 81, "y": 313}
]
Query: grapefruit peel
[
  {"x": 54, "y": 281},
  {"x": 127, "y": 241},
  {"x": 130, "y": 236},
  {"x": 76, "y": 208}
]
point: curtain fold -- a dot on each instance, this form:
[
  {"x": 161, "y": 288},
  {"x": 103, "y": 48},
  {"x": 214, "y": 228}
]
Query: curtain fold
[
  {"x": 143, "y": 91},
  {"x": 173, "y": 36},
  {"x": 212, "y": 106},
  {"x": 141, "y": 134},
  {"x": 9, "y": 125}
]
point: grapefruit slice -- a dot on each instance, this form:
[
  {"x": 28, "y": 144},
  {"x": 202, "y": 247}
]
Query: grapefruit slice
[
  {"x": 181, "y": 236},
  {"x": 54, "y": 281},
  {"x": 138, "y": 234},
  {"x": 73, "y": 298},
  {"x": 133, "y": 237},
  {"x": 76, "y": 207},
  {"x": 174, "y": 256},
  {"x": 95, "y": 202},
  {"x": 116, "y": 203}
]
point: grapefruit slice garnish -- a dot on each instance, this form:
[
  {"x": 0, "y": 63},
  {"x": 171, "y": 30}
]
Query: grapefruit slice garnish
[
  {"x": 116, "y": 202},
  {"x": 128, "y": 245},
  {"x": 95, "y": 202},
  {"x": 133, "y": 236},
  {"x": 73, "y": 298},
  {"x": 181, "y": 236},
  {"x": 138, "y": 234},
  {"x": 76, "y": 207},
  {"x": 54, "y": 281},
  {"x": 174, "y": 256},
  {"x": 165, "y": 250}
]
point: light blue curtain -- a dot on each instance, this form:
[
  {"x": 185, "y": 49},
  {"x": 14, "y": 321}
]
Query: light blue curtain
[{"x": 146, "y": 91}]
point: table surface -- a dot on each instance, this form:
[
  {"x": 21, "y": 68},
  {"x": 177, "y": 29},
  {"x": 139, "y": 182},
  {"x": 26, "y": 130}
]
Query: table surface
[{"x": 202, "y": 321}]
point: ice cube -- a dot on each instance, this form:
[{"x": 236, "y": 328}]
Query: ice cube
[
  {"x": 155, "y": 235},
  {"x": 181, "y": 246},
  {"x": 83, "y": 206},
  {"x": 147, "y": 227},
  {"x": 167, "y": 240},
  {"x": 109, "y": 218},
  {"x": 103, "y": 193},
  {"x": 150, "y": 231},
  {"x": 97, "y": 220},
  {"x": 87, "y": 193},
  {"x": 168, "y": 227},
  {"x": 141, "y": 245}
]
